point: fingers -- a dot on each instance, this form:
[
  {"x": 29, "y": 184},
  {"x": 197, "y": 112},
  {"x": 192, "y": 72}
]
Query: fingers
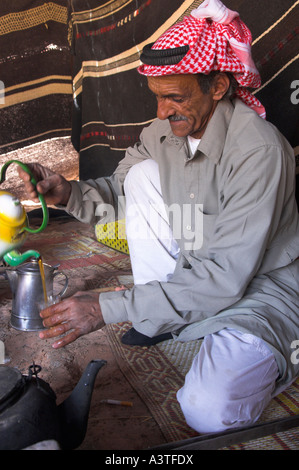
[
  {"x": 43, "y": 177},
  {"x": 26, "y": 177},
  {"x": 58, "y": 324},
  {"x": 54, "y": 314},
  {"x": 58, "y": 331},
  {"x": 35, "y": 169},
  {"x": 23, "y": 174},
  {"x": 53, "y": 186},
  {"x": 47, "y": 184},
  {"x": 55, "y": 318},
  {"x": 67, "y": 339},
  {"x": 54, "y": 331},
  {"x": 30, "y": 189}
]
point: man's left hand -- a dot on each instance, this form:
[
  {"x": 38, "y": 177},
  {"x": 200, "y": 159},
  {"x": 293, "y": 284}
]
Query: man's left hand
[{"x": 72, "y": 317}]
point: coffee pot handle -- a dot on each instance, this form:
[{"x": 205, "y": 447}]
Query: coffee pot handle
[{"x": 40, "y": 196}]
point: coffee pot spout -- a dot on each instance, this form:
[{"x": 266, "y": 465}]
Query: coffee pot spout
[
  {"x": 74, "y": 410},
  {"x": 12, "y": 276}
]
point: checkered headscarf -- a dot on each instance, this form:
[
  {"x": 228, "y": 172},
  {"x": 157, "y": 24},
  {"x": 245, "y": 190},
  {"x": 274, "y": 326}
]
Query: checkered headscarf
[{"x": 211, "y": 38}]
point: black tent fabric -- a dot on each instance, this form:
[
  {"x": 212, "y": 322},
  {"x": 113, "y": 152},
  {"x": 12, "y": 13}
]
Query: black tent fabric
[
  {"x": 112, "y": 103},
  {"x": 111, "y": 100},
  {"x": 68, "y": 67},
  {"x": 35, "y": 72}
]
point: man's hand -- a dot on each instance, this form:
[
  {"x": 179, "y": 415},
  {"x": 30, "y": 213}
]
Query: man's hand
[
  {"x": 72, "y": 317},
  {"x": 54, "y": 187}
]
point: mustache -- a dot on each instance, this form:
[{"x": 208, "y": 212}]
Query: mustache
[{"x": 175, "y": 118}]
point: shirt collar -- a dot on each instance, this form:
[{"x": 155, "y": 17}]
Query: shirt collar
[{"x": 213, "y": 140}]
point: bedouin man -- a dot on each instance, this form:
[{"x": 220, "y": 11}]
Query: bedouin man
[{"x": 212, "y": 225}]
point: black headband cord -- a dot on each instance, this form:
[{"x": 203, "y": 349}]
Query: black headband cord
[{"x": 158, "y": 57}]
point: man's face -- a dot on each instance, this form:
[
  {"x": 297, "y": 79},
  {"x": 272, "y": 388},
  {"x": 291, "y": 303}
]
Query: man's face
[{"x": 181, "y": 101}]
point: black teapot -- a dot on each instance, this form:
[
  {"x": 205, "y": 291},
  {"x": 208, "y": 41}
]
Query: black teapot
[{"x": 29, "y": 414}]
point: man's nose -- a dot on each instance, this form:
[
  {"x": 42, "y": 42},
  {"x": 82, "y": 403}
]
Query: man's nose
[{"x": 164, "y": 109}]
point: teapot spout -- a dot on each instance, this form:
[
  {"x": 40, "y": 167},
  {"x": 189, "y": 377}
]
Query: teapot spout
[
  {"x": 74, "y": 410},
  {"x": 14, "y": 258}
]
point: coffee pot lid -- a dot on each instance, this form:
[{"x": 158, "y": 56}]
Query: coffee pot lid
[
  {"x": 32, "y": 267},
  {"x": 11, "y": 383}
]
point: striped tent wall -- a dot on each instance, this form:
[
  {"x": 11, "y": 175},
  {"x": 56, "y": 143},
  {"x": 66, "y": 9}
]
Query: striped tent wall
[{"x": 35, "y": 72}]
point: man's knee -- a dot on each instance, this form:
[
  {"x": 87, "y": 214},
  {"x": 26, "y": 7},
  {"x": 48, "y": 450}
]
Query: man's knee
[
  {"x": 209, "y": 410},
  {"x": 229, "y": 384},
  {"x": 140, "y": 174}
]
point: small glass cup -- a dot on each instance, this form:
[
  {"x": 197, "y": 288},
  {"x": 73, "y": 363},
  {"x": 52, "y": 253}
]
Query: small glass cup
[{"x": 51, "y": 300}]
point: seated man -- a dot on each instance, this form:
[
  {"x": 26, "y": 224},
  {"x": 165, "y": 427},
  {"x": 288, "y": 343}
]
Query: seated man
[{"x": 212, "y": 226}]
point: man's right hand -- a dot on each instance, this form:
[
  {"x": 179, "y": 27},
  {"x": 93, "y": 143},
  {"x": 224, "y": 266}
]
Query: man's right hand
[{"x": 53, "y": 186}]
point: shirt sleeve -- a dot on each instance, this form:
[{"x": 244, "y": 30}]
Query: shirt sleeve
[
  {"x": 252, "y": 203},
  {"x": 98, "y": 200}
]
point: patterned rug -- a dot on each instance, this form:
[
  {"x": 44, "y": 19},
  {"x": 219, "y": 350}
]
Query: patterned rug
[{"x": 156, "y": 373}]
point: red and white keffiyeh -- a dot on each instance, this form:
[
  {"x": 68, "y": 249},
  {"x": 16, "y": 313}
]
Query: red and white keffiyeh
[{"x": 211, "y": 38}]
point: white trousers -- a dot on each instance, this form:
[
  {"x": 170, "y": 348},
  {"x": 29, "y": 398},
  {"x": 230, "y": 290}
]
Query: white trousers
[
  {"x": 153, "y": 251},
  {"x": 232, "y": 378}
]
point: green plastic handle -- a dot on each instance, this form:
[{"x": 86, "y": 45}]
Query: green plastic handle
[
  {"x": 40, "y": 196},
  {"x": 14, "y": 257}
]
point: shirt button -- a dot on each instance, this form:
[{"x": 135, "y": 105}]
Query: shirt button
[
  {"x": 192, "y": 196},
  {"x": 188, "y": 227}
]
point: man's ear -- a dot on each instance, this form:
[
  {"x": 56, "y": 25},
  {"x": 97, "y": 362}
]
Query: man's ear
[{"x": 220, "y": 86}]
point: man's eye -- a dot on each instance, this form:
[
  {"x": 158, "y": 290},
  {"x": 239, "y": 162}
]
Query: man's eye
[{"x": 178, "y": 100}]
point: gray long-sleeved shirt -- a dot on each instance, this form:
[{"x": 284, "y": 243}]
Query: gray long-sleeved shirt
[{"x": 243, "y": 273}]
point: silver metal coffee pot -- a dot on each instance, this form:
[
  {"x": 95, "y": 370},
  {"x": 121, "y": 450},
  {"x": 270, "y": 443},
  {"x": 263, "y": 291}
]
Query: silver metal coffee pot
[{"x": 27, "y": 289}]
